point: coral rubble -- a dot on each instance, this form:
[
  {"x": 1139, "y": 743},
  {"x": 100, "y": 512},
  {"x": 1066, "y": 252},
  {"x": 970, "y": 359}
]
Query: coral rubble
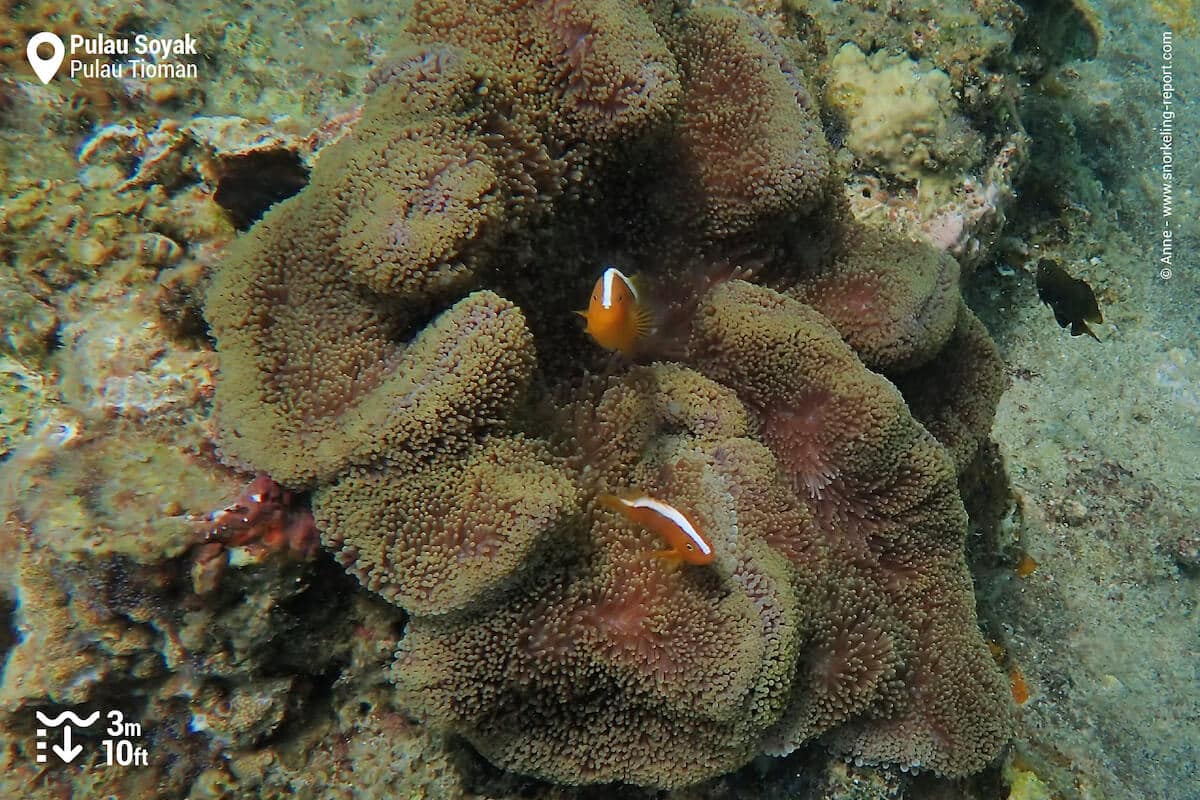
[{"x": 392, "y": 339}]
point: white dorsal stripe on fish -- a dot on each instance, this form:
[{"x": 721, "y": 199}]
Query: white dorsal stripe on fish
[{"x": 606, "y": 297}]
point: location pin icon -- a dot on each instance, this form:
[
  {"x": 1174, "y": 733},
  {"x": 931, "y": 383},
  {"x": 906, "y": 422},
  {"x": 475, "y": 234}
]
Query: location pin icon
[{"x": 45, "y": 67}]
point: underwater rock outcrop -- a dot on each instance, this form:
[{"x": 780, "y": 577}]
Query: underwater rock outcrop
[
  {"x": 903, "y": 119},
  {"x": 394, "y": 338}
]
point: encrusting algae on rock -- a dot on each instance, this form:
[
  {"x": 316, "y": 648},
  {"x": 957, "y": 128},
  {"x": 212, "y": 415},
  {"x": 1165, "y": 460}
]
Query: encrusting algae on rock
[{"x": 397, "y": 339}]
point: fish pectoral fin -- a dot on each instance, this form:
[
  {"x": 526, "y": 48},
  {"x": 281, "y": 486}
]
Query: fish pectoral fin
[
  {"x": 672, "y": 557},
  {"x": 583, "y": 314},
  {"x": 643, "y": 320}
]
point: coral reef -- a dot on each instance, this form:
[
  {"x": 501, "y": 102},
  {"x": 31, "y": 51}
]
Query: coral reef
[
  {"x": 923, "y": 114},
  {"x": 748, "y": 136},
  {"x": 955, "y": 395},
  {"x": 476, "y": 357},
  {"x": 437, "y": 536},
  {"x": 24, "y": 403},
  {"x": 901, "y": 118},
  {"x": 396, "y": 349},
  {"x": 28, "y": 322},
  {"x": 681, "y": 142},
  {"x": 963, "y": 217},
  {"x": 107, "y": 459},
  {"x": 202, "y": 677},
  {"x": 385, "y": 337},
  {"x": 891, "y": 299},
  {"x": 118, "y": 363},
  {"x": 966, "y": 39},
  {"x": 885, "y": 496},
  {"x": 589, "y": 72},
  {"x": 683, "y": 658}
]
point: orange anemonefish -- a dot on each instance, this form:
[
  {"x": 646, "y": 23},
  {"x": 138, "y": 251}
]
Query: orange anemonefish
[
  {"x": 616, "y": 318},
  {"x": 685, "y": 540}
]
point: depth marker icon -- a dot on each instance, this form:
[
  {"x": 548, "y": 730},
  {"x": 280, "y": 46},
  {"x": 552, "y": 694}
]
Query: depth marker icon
[{"x": 67, "y": 751}]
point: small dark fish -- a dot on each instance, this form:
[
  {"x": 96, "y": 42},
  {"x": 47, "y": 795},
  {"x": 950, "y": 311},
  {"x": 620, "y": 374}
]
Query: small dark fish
[{"x": 1072, "y": 300}]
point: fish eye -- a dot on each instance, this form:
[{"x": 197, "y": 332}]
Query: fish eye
[{"x": 691, "y": 546}]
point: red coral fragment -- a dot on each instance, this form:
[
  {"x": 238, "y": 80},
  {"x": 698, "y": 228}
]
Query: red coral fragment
[{"x": 264, "y": 517}]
